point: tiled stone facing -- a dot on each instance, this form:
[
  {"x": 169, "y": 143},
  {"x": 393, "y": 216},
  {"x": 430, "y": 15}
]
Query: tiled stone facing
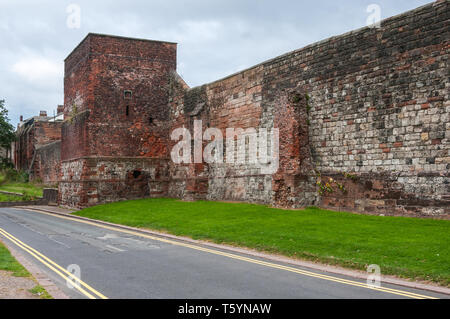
[
  {"x": 380, "y": 105},
  {"x": 89, "y": 181}
]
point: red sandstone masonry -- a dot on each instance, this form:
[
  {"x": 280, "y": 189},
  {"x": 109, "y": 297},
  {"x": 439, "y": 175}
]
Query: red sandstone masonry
[
  {"x": 107, "y": 67},
  {"x": 32, "y": 139},
  {"x": 116, "y": 108},
  {"x": 378, "y": 80},
  {"x": 378, "y": 109}
]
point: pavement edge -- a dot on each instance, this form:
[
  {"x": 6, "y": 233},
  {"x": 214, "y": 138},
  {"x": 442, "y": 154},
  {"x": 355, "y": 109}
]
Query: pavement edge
[
  {"x": 42, "y": 279},
  {"x": 247, "y": 251}
]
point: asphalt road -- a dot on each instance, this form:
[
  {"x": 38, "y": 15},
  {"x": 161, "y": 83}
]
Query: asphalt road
[{"x": 117, "y": 264}]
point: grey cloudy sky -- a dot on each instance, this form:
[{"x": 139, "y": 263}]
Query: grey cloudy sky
[{"x": 215, "y": 37}]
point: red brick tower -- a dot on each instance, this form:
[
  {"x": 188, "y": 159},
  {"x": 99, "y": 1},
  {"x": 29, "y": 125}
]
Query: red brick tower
[{"x": 114, "y": 138}]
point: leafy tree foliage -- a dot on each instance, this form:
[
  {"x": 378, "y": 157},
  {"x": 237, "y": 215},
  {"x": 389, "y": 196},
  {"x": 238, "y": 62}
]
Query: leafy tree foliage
[{"x": 7, "y": 134}]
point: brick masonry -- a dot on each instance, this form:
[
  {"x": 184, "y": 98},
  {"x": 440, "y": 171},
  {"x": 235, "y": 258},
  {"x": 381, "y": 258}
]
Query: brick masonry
[
  {"x": 48, "y": 162},
  {"x": 380, "y": 109},
  {"x": 116, "y": 119},
  {"x": 368, "y": 109},
  {"x": 38, "y": 149}
]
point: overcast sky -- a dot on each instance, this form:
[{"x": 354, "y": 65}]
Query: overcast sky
[{"x": 215, "y": 38}]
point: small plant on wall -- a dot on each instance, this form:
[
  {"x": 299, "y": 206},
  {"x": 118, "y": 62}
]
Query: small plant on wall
[
  {"x": 73, "y": 113},
  {"x": 299, "y": 97},
  {"x": 308, "y": 107},
  {"x": 330, "y": 185},
  {"x": 350, "y": 176}
]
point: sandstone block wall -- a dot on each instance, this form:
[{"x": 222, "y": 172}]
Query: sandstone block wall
[
  {"x": 363, "y": 120},
  {"x": 380, "y": 109},
  {"x": 375, "y": 120}
]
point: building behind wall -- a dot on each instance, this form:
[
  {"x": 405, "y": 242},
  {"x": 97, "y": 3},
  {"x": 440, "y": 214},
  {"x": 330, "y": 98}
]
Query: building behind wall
[
  {"x": 37, "y": 149},
  {"x": 366, "y": 112},
  {"x": 4, "y": 153}
]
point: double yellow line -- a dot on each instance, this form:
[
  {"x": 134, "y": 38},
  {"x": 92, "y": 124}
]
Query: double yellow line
[
  {"x": 246, "y": 259},
  {"x": 89, "y": 292}
]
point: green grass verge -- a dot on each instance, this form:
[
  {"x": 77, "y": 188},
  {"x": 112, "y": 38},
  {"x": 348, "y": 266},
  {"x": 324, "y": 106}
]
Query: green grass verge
[
  {"x": 41, "y": 292},
  {"x": 407, "y": 247},
  {"x": 9, "y": 263},
  {"x": 10, "y": 198},
  {"x": 29, "y": 189},
  {"x": 17, "y": 182}
]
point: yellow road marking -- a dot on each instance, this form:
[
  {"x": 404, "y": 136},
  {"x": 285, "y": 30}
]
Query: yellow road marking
[
  {"x": 250, "y": 260},
  {"x": 53, "y": 266}
]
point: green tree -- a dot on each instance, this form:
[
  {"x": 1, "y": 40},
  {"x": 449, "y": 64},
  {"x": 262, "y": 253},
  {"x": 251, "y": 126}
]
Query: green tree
[{"x": 7, "y": 134}]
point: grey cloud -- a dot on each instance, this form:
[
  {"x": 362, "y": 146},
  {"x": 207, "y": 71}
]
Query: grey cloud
[{"x": 216, "y": 38}]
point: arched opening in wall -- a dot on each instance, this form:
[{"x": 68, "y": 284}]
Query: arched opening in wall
[
  {"x": 127, "y": 111},
  {"x": 127, "y": 94},
  {"x": 136, "y": 184},
  {"x": 150, "y": 120},
  {"x": 136, "y": 174}
]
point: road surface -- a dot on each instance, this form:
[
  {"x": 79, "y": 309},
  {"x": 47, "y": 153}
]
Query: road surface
[{"x": 115, "y": 263}]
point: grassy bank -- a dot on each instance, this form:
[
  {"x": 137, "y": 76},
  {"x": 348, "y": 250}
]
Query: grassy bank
[
  {"x": 17, "y": 182},
  {"x": 9, "y": 263},
  {"x": 10, "y": 198},
  {"x": 406, "y": 247},
  {"x": 29, "y": 189}
]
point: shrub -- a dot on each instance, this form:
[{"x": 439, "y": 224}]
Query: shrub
[
  {"x": 8, "y": 175},
  {"x": 5, "y": 163},
  {"x": 28, "y": 197}
]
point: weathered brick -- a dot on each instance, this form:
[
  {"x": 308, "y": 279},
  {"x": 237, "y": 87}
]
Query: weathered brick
[{"x": 376, "y": 107}]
